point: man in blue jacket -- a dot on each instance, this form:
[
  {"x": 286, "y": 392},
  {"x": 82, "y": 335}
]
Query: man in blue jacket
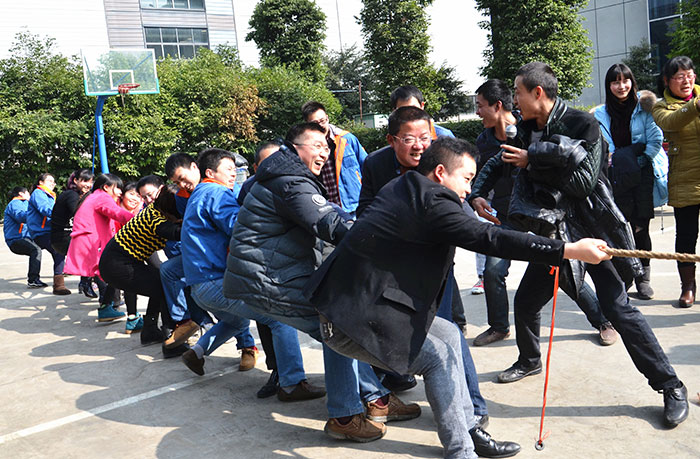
[
  {"x": 342, "y": 173},
  {"x": 17, "y": 234}
]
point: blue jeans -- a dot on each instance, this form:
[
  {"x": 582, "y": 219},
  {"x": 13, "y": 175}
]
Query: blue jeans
[
  {"x": 445, "y": 311},
  {"x": 236, "y": 314},
  {"x": 348, "y": 382},
  {"x": 496, "y": 294},
  {"x": 177, "y": 296}
]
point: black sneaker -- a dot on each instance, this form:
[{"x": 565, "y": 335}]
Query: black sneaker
[
  {"x": 37, "y": 284},
  {"x": 271, "y": 386},
  {"x": 398, "y": 384}
]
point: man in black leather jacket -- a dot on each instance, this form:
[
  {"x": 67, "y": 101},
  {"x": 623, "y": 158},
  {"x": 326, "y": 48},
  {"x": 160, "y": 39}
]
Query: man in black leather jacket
[{"x": 561, "y": 193}]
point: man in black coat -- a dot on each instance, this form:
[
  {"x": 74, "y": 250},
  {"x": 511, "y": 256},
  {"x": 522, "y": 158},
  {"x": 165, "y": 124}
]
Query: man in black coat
[
  {"x": 379, "y": 291},
  {"x": 561, "y": 192}
]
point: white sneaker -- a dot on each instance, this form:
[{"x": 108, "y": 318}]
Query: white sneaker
[{"x": 478, "y": 288}]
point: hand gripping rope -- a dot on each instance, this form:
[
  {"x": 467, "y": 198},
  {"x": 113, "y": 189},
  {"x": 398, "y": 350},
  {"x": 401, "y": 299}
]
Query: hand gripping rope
[{"x": 687, "y": 257}]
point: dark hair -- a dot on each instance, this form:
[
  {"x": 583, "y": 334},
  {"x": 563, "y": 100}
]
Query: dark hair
[
  {"x": 165, "y": 202},
  {"x": 107, "y": 180},
  {"x": 263, "y": 146},
  {"x": 539, "y": 74},
  {"x": 149, "y": 180},
  {"x": 310, "y": 108},
  {"x": 13, "y": 193},
  {"x": 614, "y": 73},
  {"x": 496, "y": 91},
  {"x": 42, "y": 178},
  {"x": 177, "y": 160},
  {"x": 405, "y": 93},
  {"x": 446, "y": 151},
  {"x": 211, "y": 159},
  {"x": 84, "y": 175},
  {"x": 130, "y": 186},
  {"x": 300, "y": 129},
  {"x": 404, "y": 115},
  {"x": 674, "y": 65}
]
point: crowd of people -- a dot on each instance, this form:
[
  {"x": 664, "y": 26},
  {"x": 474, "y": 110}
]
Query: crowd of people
[{"x": 326, "y": 239}]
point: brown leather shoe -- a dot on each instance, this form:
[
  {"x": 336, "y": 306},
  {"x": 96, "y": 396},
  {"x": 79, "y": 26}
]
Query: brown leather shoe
[
  {"x": 302, "y": 391},
  {"x": 249, "y": 356},
  {"x": 359, "y": 429},
  {"x": 181, "y": 333},
  {"x": 490, "y": 336},
  {"x": 394, "y": 410},
  {"x": 608, "y": 335}
]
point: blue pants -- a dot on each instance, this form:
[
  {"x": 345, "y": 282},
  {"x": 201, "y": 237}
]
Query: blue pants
[{"x": 59, "y": 260}]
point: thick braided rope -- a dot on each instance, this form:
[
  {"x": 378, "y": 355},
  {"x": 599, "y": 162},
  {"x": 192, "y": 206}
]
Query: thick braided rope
[{"x": 647, "y": 254}]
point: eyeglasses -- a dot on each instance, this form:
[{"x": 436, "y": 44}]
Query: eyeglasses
[
  {"x": 681, "y": 78},
  {"x": 320, "y": 120},
  {"x": 316, "y": 146},
  {"x": 409, "y": 141}
]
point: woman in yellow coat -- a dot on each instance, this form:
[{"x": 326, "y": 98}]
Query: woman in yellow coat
[{"x": 678, "y": 116}]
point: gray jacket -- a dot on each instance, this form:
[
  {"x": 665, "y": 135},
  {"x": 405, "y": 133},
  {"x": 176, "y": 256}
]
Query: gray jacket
[{"x": 275, "y": 244}]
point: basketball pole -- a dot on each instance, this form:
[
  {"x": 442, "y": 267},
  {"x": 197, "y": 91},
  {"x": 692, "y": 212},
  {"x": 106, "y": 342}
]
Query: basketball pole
[{"x": 101, "y": 133}]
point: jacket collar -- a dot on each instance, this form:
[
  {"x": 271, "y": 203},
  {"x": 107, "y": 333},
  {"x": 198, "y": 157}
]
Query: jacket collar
[{"x": 671, "y": 99}]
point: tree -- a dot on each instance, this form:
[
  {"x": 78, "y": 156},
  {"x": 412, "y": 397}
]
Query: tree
[
  {"x": 290, "y": 33},
  {"x": 643, "y": 65},
  {"x": 538, "y": 30},
  {"x": 685, "y": 39},
  {"x": 457, "y": 101},
  {"x": 397, "y": 46},
  {"x": 346, "y": 69}
]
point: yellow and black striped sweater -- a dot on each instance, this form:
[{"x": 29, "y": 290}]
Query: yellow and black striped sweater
[{"x": 146, "y": 233}]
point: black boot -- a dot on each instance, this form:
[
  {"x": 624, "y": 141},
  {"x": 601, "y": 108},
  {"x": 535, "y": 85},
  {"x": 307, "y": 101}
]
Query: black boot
[
  {"x": 644, "y": 290},
  {"x": 151, "y": 334},
  {"x": 688, "y": 286},
  {"x": 485, "y": 446}
]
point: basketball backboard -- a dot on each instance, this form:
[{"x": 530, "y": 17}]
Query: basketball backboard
[{"x": 104, "y": 71}]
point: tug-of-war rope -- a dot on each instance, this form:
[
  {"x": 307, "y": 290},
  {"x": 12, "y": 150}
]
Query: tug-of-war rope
[{"x": 686, "y": 257}]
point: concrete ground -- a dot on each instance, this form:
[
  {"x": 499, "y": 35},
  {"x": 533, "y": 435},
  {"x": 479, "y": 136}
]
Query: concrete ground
[{"x": 71, "y": 387}]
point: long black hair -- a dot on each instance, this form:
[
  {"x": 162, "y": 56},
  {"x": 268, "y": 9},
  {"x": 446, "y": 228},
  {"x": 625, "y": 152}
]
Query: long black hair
[
  {"x": 165, "y": 202},
  {"x": 101, "y": 181},
  {"x": 620, "y": 111},
  {"x": 84, "y": 175}
]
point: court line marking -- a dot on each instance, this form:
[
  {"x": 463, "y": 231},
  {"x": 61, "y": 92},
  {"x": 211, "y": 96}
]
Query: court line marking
[{"x": 50, "y": 425}]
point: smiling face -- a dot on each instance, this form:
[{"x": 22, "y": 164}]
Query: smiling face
[
  {"x": 224, "y": 173},
  {"x": 460, "y": 178},
  {"x": 419, "y": 132},
  {"x": 525, "y": 99},
  {"x": 621, "y": 87},
  {"x": 131, "y": 200},
  {"x": 319, "y": 117},
  {"x": 83, "y": 186},
  {"x": 186, "y": 177},
  {"x": 313, "y": 150},
  {"x": 149, "y": 193},
  {"x": 113, "y": 190},
  {"x": 487, "y": 112},
  {"x": 681, "y": 83},
  {"x": 49, "y": 182}
]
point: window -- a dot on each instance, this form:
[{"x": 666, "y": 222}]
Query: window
[
  {"x": 662, "y": 8},
  {"x": 660, "y": 40},
  {"x": 175, "y": 42},
  {"x": 174, "y": 4}
]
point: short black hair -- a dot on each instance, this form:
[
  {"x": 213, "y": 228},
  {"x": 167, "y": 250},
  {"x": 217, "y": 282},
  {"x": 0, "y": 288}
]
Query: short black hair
[
  {"x": 149, "y": 180},
  {"x": 300, "y": 129},
  {"x": 42, "y": 178},
  {"x": 539, "y": 74},
  {"x": 265, "y": 145},
  {"x": 677, "y": 63},
  {"x": 107, "y": 180},
  {"x": 13, "y": 193},
  {"x": 496, "y": 91},
  {"x": 165, "y": 202},
  {"x": 177, "y": 160},
  {"x": 130, "y": 186},
  {"x": 211, "y": 159},
  {"x": 405, "y": 93},
  {"x": 447, "y": 151},
  {"x": 404, "y": 115},
  {"x": 310, "y": 108}
]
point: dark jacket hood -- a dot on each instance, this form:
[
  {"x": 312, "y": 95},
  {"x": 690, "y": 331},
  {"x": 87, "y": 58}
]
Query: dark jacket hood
[{"x": 284, "y": 162}]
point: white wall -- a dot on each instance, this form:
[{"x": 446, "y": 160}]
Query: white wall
[{"x": 75, "y": 24}]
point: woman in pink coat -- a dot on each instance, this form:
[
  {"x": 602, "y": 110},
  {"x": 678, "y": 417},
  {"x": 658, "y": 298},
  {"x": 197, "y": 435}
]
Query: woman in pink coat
[{"x": 93, "y": 227}]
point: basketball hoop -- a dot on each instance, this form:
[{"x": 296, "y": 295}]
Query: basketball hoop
[{"x": 124, "y": 88}]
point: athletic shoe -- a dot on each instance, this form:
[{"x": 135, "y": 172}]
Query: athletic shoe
[
  {"x": 107, "y": 313},
  {"x": 478, "y": 288},
  {"x": 37, "y": 284},
  {"x": 134, "y": 325}
]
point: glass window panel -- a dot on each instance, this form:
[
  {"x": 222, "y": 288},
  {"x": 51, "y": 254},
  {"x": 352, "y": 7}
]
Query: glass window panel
[
  {"x": 186, "y": 51},
  {"x": 181, "y": 4},
  {"x": 200, "y": 35},
  {"x": 169, "y": 35},
  {"x": 152, "y": 35},
  {"x": 660, "y": 40},
  {"x": 170, "y": 50},
  {"x": 197, "y": 4},
  {"x": 184, "y": 35},
  {"x": 165, "y": 3},
  {"x": 148, "y": 3},
  {"x": 662, "y": 8},
  {"x": 158, "y": 50}
]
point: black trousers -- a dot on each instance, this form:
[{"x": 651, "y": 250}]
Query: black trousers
[
  {"x": 686, "y": 230},
  {"x": 536, "y": 289},
  {"x": 121, "y": 270},
  {"x": 29, "y": 248}
]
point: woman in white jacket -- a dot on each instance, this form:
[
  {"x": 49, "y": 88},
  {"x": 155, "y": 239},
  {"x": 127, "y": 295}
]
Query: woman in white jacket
[{"x": 628, "y": 127}]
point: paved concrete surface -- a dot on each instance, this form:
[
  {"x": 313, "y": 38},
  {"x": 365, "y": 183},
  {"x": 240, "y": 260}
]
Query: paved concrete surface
[{"x": 71, "y": 387}]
